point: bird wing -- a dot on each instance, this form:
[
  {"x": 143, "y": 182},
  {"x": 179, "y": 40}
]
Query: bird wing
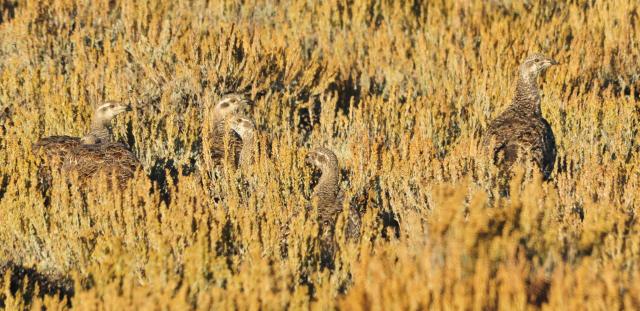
[
  {"x": 218, "y": 146},
  {"x": 56, "y": 147},
  {"x": 109, "y": 158},
  {"x": 544, "y": 150},
  {"x": 502, "y": 138},
  {"x": 515, "y": 136},
  {"x": 354, "y": 216},
  {"x": 53, "y": 150}
]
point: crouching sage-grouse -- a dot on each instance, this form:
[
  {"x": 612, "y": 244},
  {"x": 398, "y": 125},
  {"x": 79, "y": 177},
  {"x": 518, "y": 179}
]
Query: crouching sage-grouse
[
  {"x": 88, "y": 155},
  {"x": 521, "y": 133},
  {"x": 56, "y": 148}
]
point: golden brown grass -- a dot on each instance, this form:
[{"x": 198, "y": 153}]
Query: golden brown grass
[{"x": 424, "y": 77}]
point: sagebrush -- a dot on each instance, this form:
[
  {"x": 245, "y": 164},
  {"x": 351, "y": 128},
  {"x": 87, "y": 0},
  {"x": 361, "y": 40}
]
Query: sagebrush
[{"x": 401, "y": 91}]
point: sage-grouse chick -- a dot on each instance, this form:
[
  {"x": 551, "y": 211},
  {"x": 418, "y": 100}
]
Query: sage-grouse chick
[
  {"x": 55, "y": 149},
  {"x": 521, "y": 133},
  {"x": 113, "y": 159},
  {"x": 329, "y": 198},
  {"x": 225, "y": 109},
  {"x": 246, "y": 130}
]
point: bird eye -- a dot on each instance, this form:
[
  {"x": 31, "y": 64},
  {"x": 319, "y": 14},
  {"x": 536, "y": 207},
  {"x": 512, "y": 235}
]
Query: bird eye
[{"x": 224, "y": 105}]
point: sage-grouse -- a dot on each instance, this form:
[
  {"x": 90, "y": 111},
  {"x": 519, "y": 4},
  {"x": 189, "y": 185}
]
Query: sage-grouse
[
  {"x": 55, "y": 149},
  {"x": 329, "y": 198},
  {"x": 246, "y": 130},
  {"x": 113, "y": 159},
  {"x": 521, "y": 133},
  {"x": 225, "y": 109}
]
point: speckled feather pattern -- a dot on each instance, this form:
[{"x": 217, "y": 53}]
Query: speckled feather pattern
[
  {"x": 330, "y": 201},
  {"x": 219, "y": 130},
  {"x": 112, "y": 159},
  {"x": 521, "y": 132},
  {"x": 55, "y": 148}
]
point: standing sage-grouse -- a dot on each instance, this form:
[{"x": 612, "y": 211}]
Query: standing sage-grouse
[
  {"x": 521, "y": 133},
  {"x": 56, "y": 149},
  {"x": 328, "y": 197},
  {"x": 225, "y": 109}
]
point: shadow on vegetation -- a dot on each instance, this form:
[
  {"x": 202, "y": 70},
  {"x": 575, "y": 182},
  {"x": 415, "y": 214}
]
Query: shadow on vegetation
[
  {"x": 227, "y": 246},
  {"x": 615, "y": 86},
  {"x": 163, "y": 169},
  {"x": 538, "y": 291},
  {"x": 4, "y": 182},
  {"x": 390, "y": 224},
  {"x": 620, "y": 90},
  {"x": 7, "y": 10},
  {"x": 349, "y": 92},
  {"x": 31, "y": 283}
]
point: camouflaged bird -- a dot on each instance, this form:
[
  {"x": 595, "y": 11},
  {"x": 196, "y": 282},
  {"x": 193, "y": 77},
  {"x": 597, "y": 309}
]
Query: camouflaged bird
[
  {"x": 228, "y": 107},
  {"x": 113, "y": 159},
  {"x": 55, "y": 149},
  {"x": 521, "y": 133},
  {"x": 329, "y": 199},
  {"x": 245, "y": 128}
]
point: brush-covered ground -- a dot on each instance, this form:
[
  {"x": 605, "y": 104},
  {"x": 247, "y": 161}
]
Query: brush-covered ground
[{"x": 402, "y": 91}]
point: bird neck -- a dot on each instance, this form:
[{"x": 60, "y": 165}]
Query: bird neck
[
  {"x": 327, "y": 191},
  {"x": 220, "y": 125},
  {"x": 100, "y": 131},
  {"x": 218, "y": 118},
  {"x": 527, "y": 96},
  {"x": 248, "y": 150}
]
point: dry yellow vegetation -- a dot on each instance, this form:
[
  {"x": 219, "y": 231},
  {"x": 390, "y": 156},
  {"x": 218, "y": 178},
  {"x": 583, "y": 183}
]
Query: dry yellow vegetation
[{"x": 423, "y": 78}]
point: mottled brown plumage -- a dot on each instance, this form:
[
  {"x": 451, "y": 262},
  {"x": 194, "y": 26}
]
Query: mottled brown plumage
[
  {"x": 59, "y": 146},
  {"x": 246, "y": 130},
  {"x": 55, "y": 149},
  {"x": 226, "y": 108},
  {"x": 113, "y": 159},
  {"x": 521, "y": 133},
  {"x": 329, "y": 199}
]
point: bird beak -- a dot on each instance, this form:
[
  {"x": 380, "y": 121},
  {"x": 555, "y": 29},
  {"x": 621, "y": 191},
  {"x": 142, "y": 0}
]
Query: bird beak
[
  {"x": 307, "y": 160},
  {"x": 552, "y": 61},
  {"x": 122, "y": 108}
]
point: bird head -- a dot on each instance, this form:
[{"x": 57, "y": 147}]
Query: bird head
[
  {"x": 108, "y": 110},
  {"x": 243, "y": 126},
  {"x": 321, "y": 158},
  {"x": 535, "y": 64},
  {"x": 229, "y": 104}
]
